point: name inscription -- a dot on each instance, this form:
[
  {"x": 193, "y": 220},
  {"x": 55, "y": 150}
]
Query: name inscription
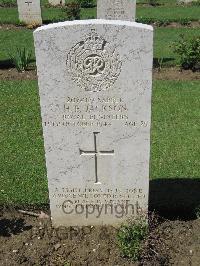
[{"x": 89, "y": 112}]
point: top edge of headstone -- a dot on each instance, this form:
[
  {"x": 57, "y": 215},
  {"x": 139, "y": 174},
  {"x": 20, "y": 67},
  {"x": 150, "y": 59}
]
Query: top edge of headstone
[{"x": 94, "y": 22}]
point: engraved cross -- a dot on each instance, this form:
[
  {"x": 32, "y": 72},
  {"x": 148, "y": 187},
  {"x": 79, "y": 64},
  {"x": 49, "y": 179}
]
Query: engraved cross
[
  {"x": 28, "y": 2},
  {"x": 96, "y": 153}
]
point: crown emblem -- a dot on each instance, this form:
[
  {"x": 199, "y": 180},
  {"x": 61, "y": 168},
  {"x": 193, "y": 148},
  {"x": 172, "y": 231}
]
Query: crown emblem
[
  {"x": 93, "y": 63},
  {"x": 94, "y": 42}
]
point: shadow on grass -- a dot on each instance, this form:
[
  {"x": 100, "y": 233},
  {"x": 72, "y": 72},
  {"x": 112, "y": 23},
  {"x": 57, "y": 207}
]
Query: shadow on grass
[
  {"x": 46, "y": 21},
  {"x": 175, "y": 198},
  {"x": 6, "y": 64},
  {"x": 157, "y": 62},
  {"x": 10, "y": 227},
  {"x": 56, "y": 20}
]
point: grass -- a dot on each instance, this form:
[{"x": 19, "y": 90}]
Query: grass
[
  {"x": 163, "y": 2},
  {"x": 49, "y": 15},
  {"x": 163, "y": 42},
  {"x": 43, "y": 2},
  {"x": 53, "y": 15},
  {"x": 10, "y": 39},
  {"x": 8, "y": 3},
  {"x": 160, "y": 13},
  {"x": 175, "y": 149},
  {"x": 23, "y": 174},
  {"x": 130, "y": 237},
  {"x": 10, "y": 15},
  {"x": 14, "y": 2},
  {"x": 176, "y": 13},
  {"x": 176, "y": 132}
]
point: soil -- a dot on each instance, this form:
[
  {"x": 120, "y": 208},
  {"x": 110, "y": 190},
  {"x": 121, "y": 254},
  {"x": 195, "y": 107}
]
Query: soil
[
  {"x": 181, "y": 240},
  {"x": 165, "y": 74},
  {"x": 13, "y": 74},
  {"x": 174, "y": 73},
  {"x": 191, "y": 24},
  {"x": 12, "y": 27},
  {"x": 7, "y": 5},
  {"x": 29, "y": 240}
]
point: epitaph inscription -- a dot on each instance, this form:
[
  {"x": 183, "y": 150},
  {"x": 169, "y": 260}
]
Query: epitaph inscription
[{"x": 95, "y": 94}]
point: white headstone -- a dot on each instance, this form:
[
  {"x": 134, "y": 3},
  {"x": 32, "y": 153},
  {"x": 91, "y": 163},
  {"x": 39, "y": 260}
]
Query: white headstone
[
  {"x": 116, "y": 9},
  {"x": 95, "y": 80},
  {"x": 29, "y": 11},
  {"x": 56, "y": 2}
]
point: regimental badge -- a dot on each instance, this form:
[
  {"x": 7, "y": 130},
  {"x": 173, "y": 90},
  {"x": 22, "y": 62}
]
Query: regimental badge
[{"x": 93, "y": 63}]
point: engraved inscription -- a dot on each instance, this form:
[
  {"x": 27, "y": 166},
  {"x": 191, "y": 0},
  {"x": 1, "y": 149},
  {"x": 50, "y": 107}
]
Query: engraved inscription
[
  {"x": 28, "y": 2},
  {"x": 90, "y": 112},
  {"x": 98, "y": 195},
  {"x": 116, "y": 11},
  {"x": 95, "y": 153},
  {"x": 93, "y": 63}
]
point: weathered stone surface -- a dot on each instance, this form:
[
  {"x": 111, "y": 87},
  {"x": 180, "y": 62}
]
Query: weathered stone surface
[
  {"x": 56, "y": 2},
  {"x": 29, "y": 11},
  {"x": 116, "y": 9},
  {"x": 95, "y": 80}
]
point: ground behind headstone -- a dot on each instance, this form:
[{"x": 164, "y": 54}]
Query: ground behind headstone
[{"x": 27, "y": 240}]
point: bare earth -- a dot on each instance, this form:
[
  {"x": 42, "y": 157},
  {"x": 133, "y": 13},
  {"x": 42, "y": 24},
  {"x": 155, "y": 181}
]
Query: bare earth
[
  {"x": 191, "y": 24},
  {"x": 173, "y": 73},
  {"x": 28, "y": 240}
]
